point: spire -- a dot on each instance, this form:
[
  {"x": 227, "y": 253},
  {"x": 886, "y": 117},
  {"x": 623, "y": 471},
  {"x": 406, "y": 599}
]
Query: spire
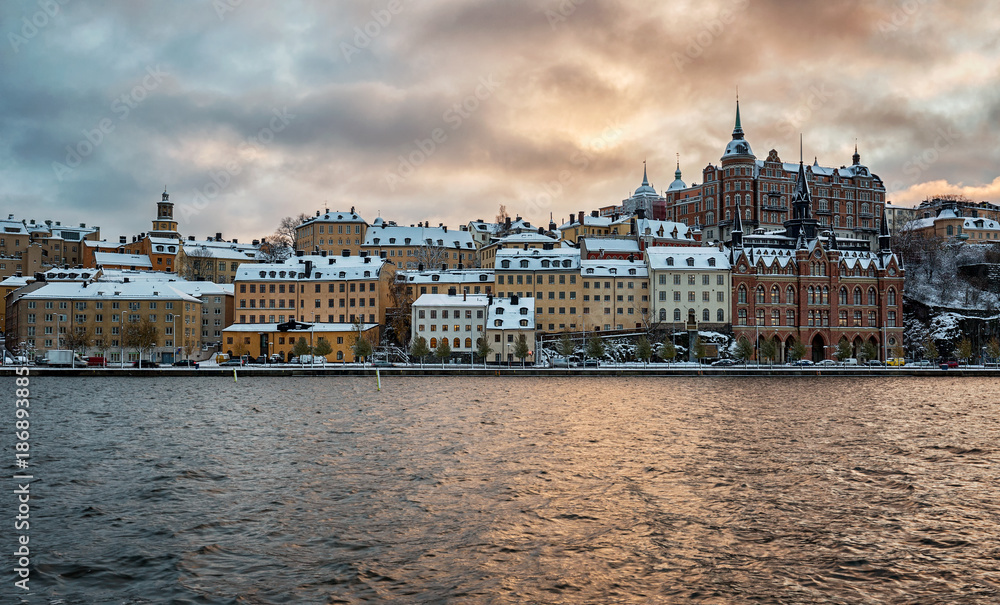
[
  {"x": 645, "y": 181},
  {"x": 884, "y": 238},
  {"x": 738, "y": 129},
  {"x": 856, "y": 157},
  {"x": 677, "y": 173},
  {"x": 166, "y": 196},
  {"x": 737, "y": 233}
]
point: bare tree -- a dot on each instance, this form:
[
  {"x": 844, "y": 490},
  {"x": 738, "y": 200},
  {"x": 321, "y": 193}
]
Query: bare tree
[
  {"x": 140, "y": 335},
  {"x": 398, "y": 314},
  {"x": 200, "y": 264},
  {"x": 502, "y": 215},
  {"x": 284, "y": 235}
]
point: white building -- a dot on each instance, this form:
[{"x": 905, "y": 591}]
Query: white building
[
  {"x": 685, "y": 279},
  {"x": 458, "y": 318},
  {"x": 508, "y": 319}
]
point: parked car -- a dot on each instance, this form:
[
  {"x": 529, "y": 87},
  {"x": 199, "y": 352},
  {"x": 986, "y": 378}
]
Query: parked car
[
  {"x": 145, "y": 363},
  {"x": 801, "y": 362},
  {"x": 895, "y": 361},
  {"x": 850, "y": 361},
  {"x": 560, "y": 362},
  {"x": 232, "y": 362},
  {"x": 186, "y": 363},
  {"x": 96, "y": 362},
  {"x": 826, "y": 362},
  {"x": 951, "y": 363},
  {"x": 722, "y": 363},
  {"x": 382, "y": 363},
  {"x": 590, "y": 363},
  {"x": 874, "y": 363},
  {"x": 275, "y": 358},
  {"x": 923, "y": 363}
]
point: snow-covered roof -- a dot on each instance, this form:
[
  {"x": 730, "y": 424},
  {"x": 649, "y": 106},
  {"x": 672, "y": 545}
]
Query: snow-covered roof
[
  {"x": 71, "y": 274},
  {"x": 448, "y": 300},
  {"x": 314, "y": 327},
  {"x": 107, "y": 290},
  {"x": 484, "y": 227},
  {"x": 164, "y": 241},
  {"x": 322, "y": 268},
  {"x": 980, "y": 223},
  {"x": 12, "y": 227},
  {"x": 114, "y": 258},
  {"x": 663, "y": 229},
  {"x": 608, "y": 244},
  {"x": 686, "y": 258},
  {"x": 527, "y": 237},
  {"x": 613, "y": 267},
  {"x": 334, "y": 217},
  {"x": 394, "y": 235},
  {"x": 220, "y": 250},
  {"x": 14, "y": 281},
  {"x": 504, "y": 314},
  {"x": 537, "y": 259},
  {"x": 453, "y": 276},
  {"x": 588, "y": 221}
]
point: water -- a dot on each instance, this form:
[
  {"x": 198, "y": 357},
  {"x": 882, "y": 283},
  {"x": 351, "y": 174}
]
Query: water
[{"x": 513, "y": 490}]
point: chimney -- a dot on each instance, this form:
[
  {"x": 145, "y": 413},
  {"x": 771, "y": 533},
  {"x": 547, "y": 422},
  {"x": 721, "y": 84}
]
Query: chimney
[
  {"x": 580, "y": 217},
  {"x": 368, "y": 259},
  {"x": 322, "y": 253},
  {"x": 190, "y": 238},
  {"x": 363, "y": 254},
  {"x": 235, "y": 241},
  {"x": 641, "y": 213},
  {"x": 452, "y": 292},
  {"x": 444, "y": 266},
  {"x": 309, "y": 268},
  {"x": 255, "y": 242},
  {"x": 420, "y": 266},
  {"x": 633, "y": 229},
  {"x": 218, "y": 236},
  {"x": 506, "y": 223},
  {"x": 513, "y": 299},
  {"x": 465, "y": 295},
  {"x": 445, "y": 227},
  {"x": 541, "y": 231},
  {"x": 83, "y": 225},
  {"x": 122, "y": 239},
  {"x": 595, "y": 213},
  {"x": 345, "y": 253},
  {"x": 300, "y": 253}
]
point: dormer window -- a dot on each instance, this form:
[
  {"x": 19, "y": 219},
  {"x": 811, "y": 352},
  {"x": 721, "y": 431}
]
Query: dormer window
[
  {"x": 631, "y": 271},
  {"x": 545, "y": 264},
  {"x": 368, "y": 273},
  {"x": 499, "y": 311},
  {"x": 524, "y": 264},
  {"x": 690, "y": 261},
  {"x": 342, "y": 274},
  {"x": 590, "y": 270},
  {"x": 263, "y": 273},
  {"x": 392, "y": 240},
  {"x": 505, "y": 264},
  {"x": 670, "y": 261},
  {"x": 406, "y": 241},
  {"x": 711, "y": 262},
  {"x": 376, "y": 241},
  {"x": 567, "y": 263},
  {"x": 524, "y": 310},
  {"x": 524, "y": 323},
  {"x": 273, "y": 273}
]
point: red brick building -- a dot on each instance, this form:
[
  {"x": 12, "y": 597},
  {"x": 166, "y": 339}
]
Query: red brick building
[{"x": 804, "y": 283}]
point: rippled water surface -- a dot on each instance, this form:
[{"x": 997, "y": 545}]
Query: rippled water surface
[{"x": 513, "y": 490}]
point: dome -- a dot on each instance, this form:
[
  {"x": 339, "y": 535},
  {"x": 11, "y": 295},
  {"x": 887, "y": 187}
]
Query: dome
[
  {"x": 737, "y": 147},
  {"x": 377, "y": 222},
  {"x": 645, "y": 188},
  {"x": 678, "y": 183}
]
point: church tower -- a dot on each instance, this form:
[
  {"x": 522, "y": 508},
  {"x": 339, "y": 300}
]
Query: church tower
[
  {"x": 738, "y": 182},
  {"x": 164, "y": 224}
]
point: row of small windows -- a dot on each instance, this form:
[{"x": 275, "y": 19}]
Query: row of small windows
[
  {"x": 706, "y": 315},
  {"x": 815, "y": 295}
]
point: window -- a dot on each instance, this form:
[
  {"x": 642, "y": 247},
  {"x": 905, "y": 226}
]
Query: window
[
  {"x": 677, "y": 314},
  {"x": 775, "y": 295},
  {"x": 872, "y": 298},
  {"x": 760, "y": 317},
  {"x": 890, "y": 320},
  {"x": 890, "y": 298},
  {"x": 742, "y": 314},
  {"x": 775, "y": 317},
  {"x": 741, "y": 295},
  {"x": 842, "y": 319},
  {"x": 760, "y": 295},
  {"x": 857, "y": 296}
]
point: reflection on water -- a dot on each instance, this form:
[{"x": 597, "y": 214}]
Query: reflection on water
[{"x": 515, "y": 490}]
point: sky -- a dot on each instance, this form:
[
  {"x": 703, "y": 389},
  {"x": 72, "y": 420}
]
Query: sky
[{"x": 443, "y": 110}]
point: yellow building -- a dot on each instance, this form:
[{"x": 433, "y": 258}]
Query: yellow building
[
  {"x": 214, "y": 260},
  {"x": 515, "y": 241},
  {"x": 330, "y": 289},
  {"x": 43, "y": 314},
  {"x": 593, "y": 224},
  {"x": 421, "y": 247},
  {"x": 271, "y": 339},
  {"x": 332, "y": 232}
]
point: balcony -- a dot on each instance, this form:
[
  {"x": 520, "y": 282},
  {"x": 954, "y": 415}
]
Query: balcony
[{"x": 774, "y": 208}]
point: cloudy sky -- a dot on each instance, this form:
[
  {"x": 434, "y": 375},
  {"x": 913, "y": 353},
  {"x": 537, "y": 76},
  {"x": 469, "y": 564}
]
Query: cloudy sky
[{"x": 443, "y": 110}]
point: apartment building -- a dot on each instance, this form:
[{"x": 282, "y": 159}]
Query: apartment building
[
  {"x": 333, "y": 232},
  {"x": 688, "y": 279},
  {"x": 458, "y": 318}
]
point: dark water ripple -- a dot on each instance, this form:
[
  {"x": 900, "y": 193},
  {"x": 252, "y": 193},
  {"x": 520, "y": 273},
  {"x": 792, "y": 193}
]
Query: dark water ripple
[{"x": 514, "y": 490}]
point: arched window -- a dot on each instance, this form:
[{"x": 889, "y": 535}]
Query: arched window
[
  {"x": 843, "y": 295},
  {"x": 677, "y": 314},
  {"x": 663, "y": 313},
  {"x": 748, "y": 214},
  {"x": 720, "y": 316},
  {"x": 872, "y": 297},
  {"x": 456, "y": 343},
  {"x": 775, "y": 317},
  {"x": 812, "y": 295},
  {"x": 890, "y": 319},
  {"x": 872, "y": 319},
  {"x": 742, "y": 315},
  {"x": 790, "y": 317},
  {"x": 741, "y": 295},
  {"x": 857, "y": 296},
  {"x": 890, "y": 297},
  {"x": 434, "y": 343},
  {"x": 468, "y": 343},
  {"x": 826, "y": 296},
  {"x": 812, "y": 316},
  {"x": 790, "y": 295},
  {"x": 775, "y": 295},
  {"x": 760, "y": 295},
  {"x": 706, "y": 315}
]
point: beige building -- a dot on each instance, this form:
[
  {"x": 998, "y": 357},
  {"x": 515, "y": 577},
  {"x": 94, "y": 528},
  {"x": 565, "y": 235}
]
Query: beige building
[
  {"x": 458, "y": 318},
  {"x": 214, "y": 260},
  {"x": 528, "y": 240},
  {"x": 593, "y": 225},
  {"x": 332, "y": 232},
  {"x": 43, "y": 313},
  {"x": 421, "y": 247}
]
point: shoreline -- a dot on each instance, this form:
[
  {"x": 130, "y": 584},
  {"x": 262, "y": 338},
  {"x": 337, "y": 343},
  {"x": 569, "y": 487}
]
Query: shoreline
[{"x": 257, "y": 372}]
